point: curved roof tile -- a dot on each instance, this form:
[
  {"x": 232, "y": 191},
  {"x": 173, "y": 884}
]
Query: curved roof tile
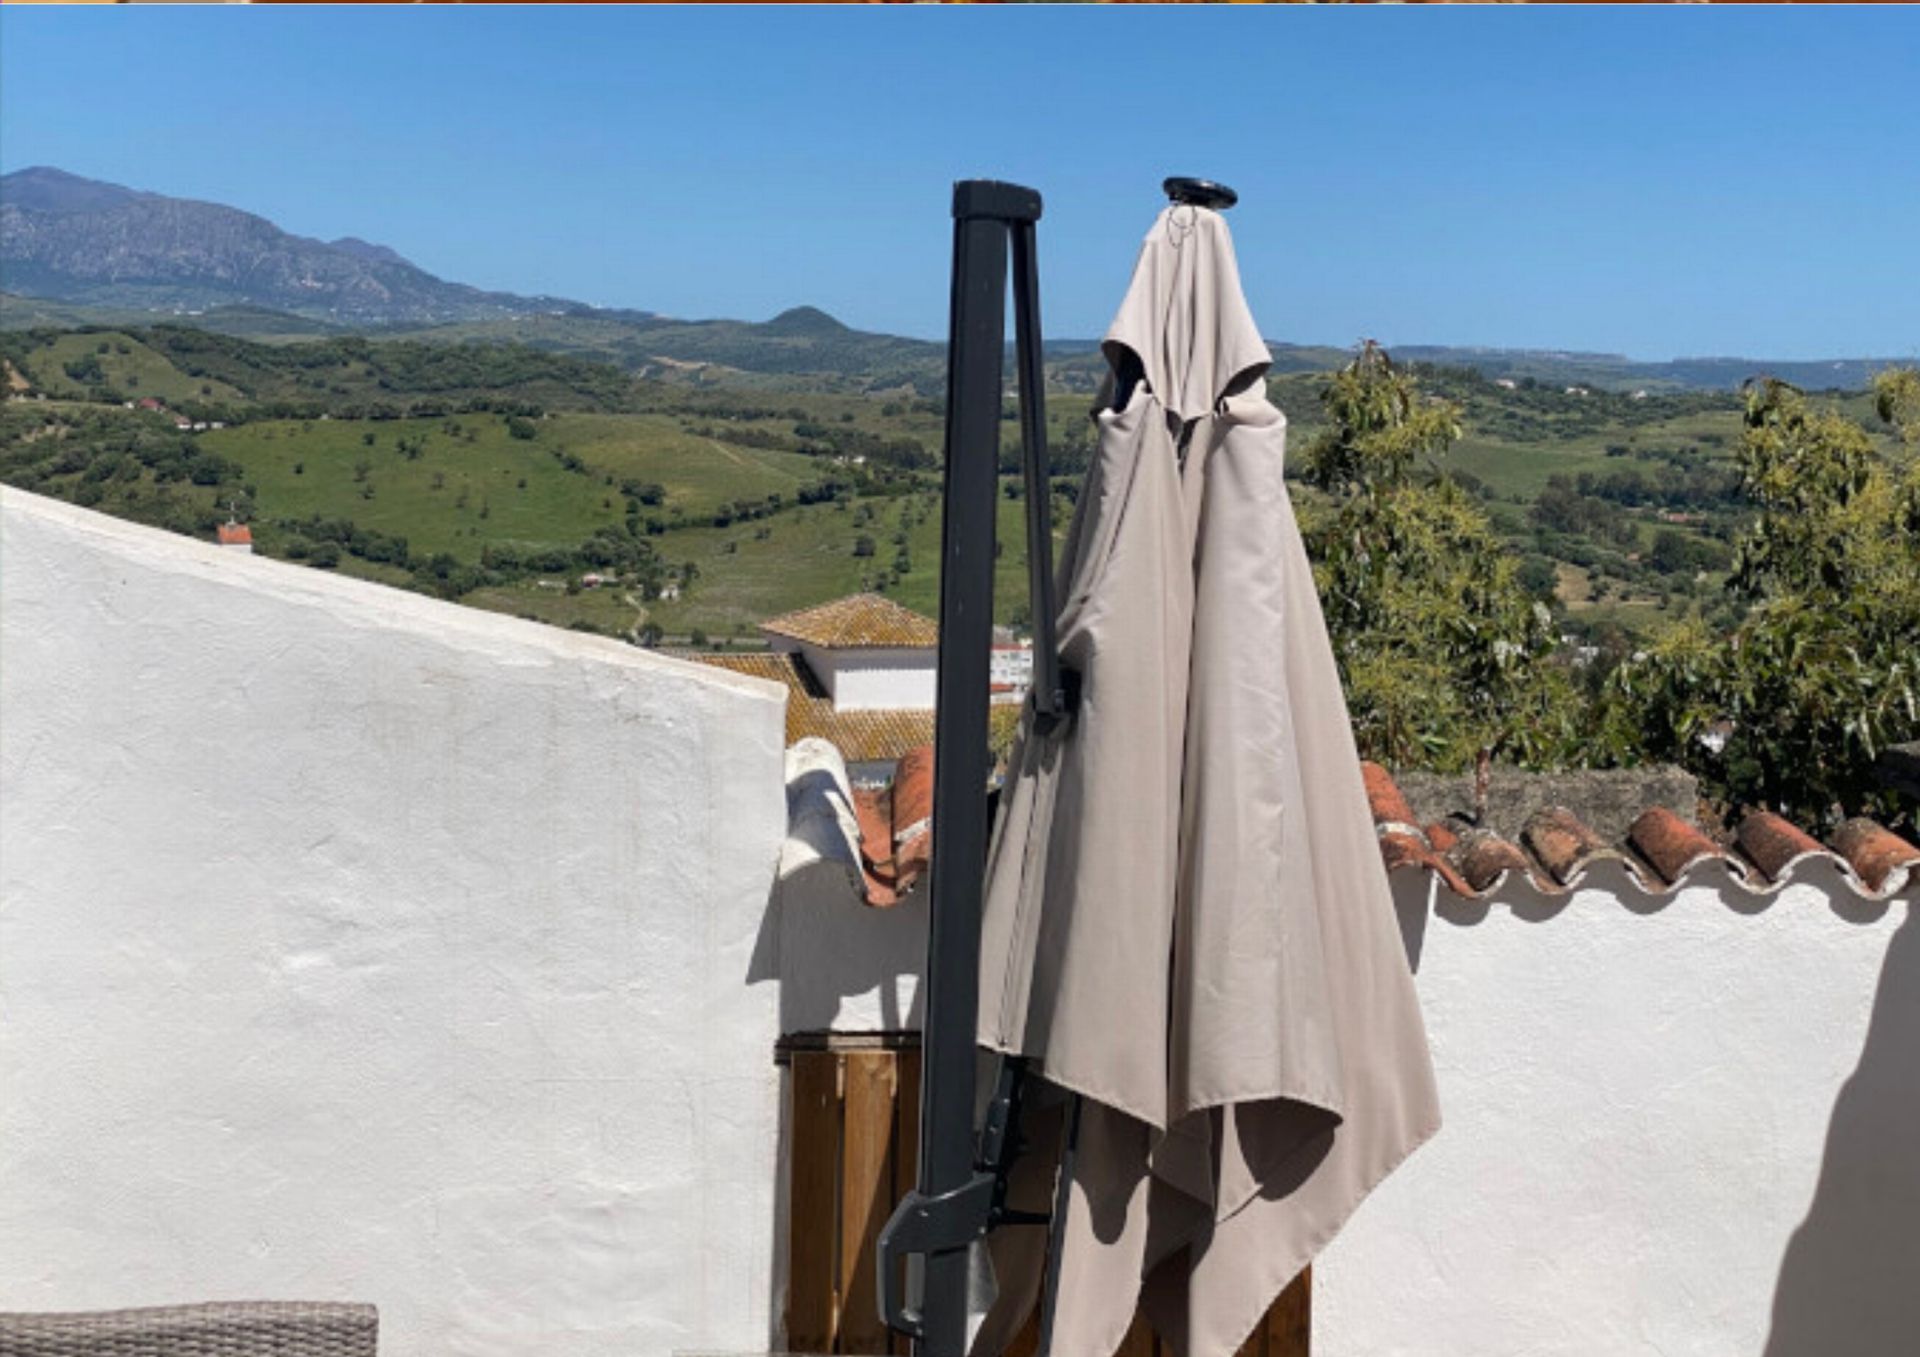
[
  {"x": 1659, "y": 855},
  {"x": 855, "y": 621},
  {"x": 1557, "y": 849}
]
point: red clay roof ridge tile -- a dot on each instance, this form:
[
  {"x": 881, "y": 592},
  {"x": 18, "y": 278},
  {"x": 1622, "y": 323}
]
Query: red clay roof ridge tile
[
  {"x": 1775, "y": 844},
  {"x": 1485, "y": 860},
  {"x": 1659, "y": 855},
  {"x": 1671, "y": 846},
  {"x": 1878, "y": 856}
]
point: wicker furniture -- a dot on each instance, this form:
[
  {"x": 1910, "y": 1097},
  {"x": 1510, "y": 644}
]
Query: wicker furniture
[{"x": 237, "y": 1329}]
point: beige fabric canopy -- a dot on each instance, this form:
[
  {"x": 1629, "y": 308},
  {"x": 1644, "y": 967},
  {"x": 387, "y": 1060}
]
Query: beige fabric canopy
[{"x": 1187, "y": 918}]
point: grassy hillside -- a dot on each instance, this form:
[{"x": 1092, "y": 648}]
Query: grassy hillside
[
  {"x": 215, "y": 374},
  {"x": 501, "y": 474},
  {"x": 246, "y": 322},
  {"x": 72, "y": 365},
  {"x": 459, "y": 483}
]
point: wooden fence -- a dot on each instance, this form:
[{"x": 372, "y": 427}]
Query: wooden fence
[{"x": 854, "y": 1119}]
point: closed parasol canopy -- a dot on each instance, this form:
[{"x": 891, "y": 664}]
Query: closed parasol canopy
[{"x": 1188, "y": 931}]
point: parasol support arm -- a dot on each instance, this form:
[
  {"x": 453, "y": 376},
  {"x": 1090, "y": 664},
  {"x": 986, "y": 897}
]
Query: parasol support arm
[{"x": 950, "y": 1221}]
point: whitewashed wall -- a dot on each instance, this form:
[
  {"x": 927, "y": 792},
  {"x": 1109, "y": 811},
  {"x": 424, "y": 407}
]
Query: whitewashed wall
[
  {"x": 875, "y": 678},
  {"x": 1673, "y": 1129},
  {"x": 843, "y": 965},
  {"x": 358, "y": 946},
  {"x": 1682, "y": 1128}
]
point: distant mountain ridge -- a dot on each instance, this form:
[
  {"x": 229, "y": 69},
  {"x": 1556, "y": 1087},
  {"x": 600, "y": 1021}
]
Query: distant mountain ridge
[
  {"x": 80, "y": 251},
  {"x": 65, "y": 238}
]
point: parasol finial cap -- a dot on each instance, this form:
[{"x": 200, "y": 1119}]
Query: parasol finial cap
[{"x": 1200, "y": 193}]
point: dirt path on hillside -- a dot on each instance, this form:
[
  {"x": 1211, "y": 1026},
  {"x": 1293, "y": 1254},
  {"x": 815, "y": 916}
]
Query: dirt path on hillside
[{"x": 729, "y": 453}]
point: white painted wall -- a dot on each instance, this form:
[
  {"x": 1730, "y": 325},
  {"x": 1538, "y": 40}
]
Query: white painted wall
[
  {"x": 1687, "y": 1128},
  {"x": 358, "y": 946},
  {"x": 875, "y": 678},
  {"x": 843, "y": 965}
]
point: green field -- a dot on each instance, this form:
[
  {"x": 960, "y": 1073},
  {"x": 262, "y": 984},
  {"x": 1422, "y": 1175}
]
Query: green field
[
  {"x": 457, "y": 483},
  {"x": 132, "y": 369},
  {"x": 535, "y": 453}
]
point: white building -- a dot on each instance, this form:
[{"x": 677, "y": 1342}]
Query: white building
[
  {"x": 860, "y": 673},
  {"x": 866, "y": 651},
  {"x": 1010, "y": 671}
]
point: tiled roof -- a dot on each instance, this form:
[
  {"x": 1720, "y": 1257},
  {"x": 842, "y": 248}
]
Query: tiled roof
[
  {"x": 860, "y": 736},
  {"x": 233, "y": 534},
  {"x": 1555, "y": 852},
  {"x": 1660, "y": 852},
  {"x": 896, "y": 828},
  {"x": 857, "y": 620}
]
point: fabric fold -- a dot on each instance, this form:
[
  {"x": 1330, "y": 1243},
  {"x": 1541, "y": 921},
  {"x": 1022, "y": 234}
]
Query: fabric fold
[{"x": 1187, "y": 920}]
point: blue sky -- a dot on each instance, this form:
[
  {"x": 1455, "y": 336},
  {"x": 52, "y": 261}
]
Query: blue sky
[{"x": 1654, "y": 181}]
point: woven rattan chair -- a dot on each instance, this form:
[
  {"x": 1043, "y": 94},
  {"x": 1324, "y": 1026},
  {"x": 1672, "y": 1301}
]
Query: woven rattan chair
[{"x": 237, "y": 1329}]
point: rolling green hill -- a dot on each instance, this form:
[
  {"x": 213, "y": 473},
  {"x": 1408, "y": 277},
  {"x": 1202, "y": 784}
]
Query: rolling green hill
[
  {"x": 347, "y": 375},
  {"x": 806, "y": 351},
  {"x": 501, "y": 474}
]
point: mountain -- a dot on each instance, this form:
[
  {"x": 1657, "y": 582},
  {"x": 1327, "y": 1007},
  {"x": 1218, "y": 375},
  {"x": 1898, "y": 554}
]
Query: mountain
[
  {"x": 68, "y": 239},
  {"x": 1616, "y": 372},
  {"x": 77, "y": 251}
]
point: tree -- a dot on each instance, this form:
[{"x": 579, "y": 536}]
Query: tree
[
  {"x": 1896, "y": 397},
  {"x": 1378, "y": 423},
  {"x": 1789, "y": 708},
  {"x": 1443, "y": 653}
]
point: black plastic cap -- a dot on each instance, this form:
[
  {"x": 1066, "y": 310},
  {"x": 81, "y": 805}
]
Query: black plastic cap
[
  {"x": 993, "y": 199},
  {"x": 1200, "y": 193}
]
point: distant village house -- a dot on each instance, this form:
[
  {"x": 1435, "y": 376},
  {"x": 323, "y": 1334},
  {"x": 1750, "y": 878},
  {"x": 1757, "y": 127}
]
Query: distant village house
[{"x": 860, "y": 673}]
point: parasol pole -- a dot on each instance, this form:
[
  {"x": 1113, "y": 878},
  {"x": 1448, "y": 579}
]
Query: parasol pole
[
  {"x": 955, "y": 1198},
  {"x": 961, "y": 1188}
]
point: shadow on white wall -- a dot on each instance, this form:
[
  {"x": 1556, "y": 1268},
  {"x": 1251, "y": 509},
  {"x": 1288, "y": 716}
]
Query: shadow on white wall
[
  {"x": 1850, "y": 1283},
  {"x": 842, "y": 964}
]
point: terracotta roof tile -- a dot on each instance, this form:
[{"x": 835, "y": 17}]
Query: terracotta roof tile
[
  {"x": 857, "y": 620},
  {"x": 896, "y": 829},
  {"x": 913, "y": 815},
  {"x": 872, "y": 736},
  {"x": 1775, "y": 844},
  {"x": 1563, "y": 843},
  {"x": 1384, "y": 796},
  {"x": 1671, "y": 845},
  {"x": 1877, "y": 855},
  {"x": 233, "y": 534},
  {"x": 1659, "y": 854},
  {"x": 1486, "y": 859}
]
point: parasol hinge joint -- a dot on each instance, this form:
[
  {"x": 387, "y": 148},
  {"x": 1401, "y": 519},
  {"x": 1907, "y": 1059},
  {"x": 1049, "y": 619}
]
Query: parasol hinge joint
[{"x": 1055, "y": 705}]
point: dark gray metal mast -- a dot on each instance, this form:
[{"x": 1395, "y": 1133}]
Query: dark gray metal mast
[{"x": 955, "y": 1196}]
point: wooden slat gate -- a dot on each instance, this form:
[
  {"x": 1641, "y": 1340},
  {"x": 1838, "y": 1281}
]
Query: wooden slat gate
[{"x": 855, "y": 1135}]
